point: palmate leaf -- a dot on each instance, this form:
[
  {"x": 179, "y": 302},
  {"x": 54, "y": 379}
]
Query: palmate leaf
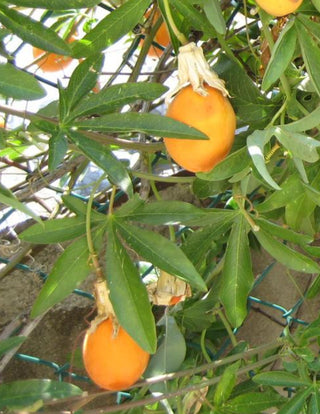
[
  {"x": 9, "y": 199},
  {"x": 146, "y": 123},
  {"x": 33, "y": 32},
  {"x": 281, "y": 56},
  {"x": 226, "y": 384},
  {"x": 179, "y": 212},
  {"x": 113, "y": 27},
  {"x": 10, "y": 343},
  {"x": 71, "y": 268},
  {"x": 291, "y": 188},
  {"x": 128, "y": 294},
  {"x": 103, "y": 158},
  {"x": 300, "y": 145},
  {"x": 212, "y": 9},
  {"x": 237, "y": 276},
  {"x": 58, "y": 230},
  {"x": 255, "y": 402},
  {"x": 311, "y": 54},
  {"x": 58, "y": 146},
  {"x": 22, "y": 394},
  {"x": 57, "y": 4},
  {"x": 15, "y": 83},
  {"x": 280, "y": 379},
  {"x": 286, "y": 255},
  {"x": 250, "y": 105},
  {"x": 197, "y": 20},
  {"x": 114, "y": 97},
  {"x": 256, "y": 142},
  {"x": 231, "y": 165},
  {"x": 83, "y": 80},
  {"x": 161, "y": 252},
  {"x": 171, "y": 351}
]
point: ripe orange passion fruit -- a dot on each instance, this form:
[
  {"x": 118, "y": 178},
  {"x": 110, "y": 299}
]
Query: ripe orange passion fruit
[
  {"x": 51, "y": 62},
  {"x": 212, "y": 115},
  {"x": 113, "y": 360},
  {"x": 279, "y": 8}
]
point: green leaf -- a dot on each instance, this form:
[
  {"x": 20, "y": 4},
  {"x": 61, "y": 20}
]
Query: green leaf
[
  {"x": 226, "y": 384},
  {"x": 197, "y": 20},
  {"x": 295, "y": 404},
  {"x": 316, "y": 4},
  {"x": 204, "y": 188},
  {"x": 129, "y": 295},
  {"x": 171, "y": 351},
  {"x": 237, "y": 276},
  {"x": 214, "y": 14},
  {"x": 9, "y": 199},
  {"x": 71, "y": 268},
  {"x": 256, "y": 142},
  {"x": 285, "y": 255},
  {"x": 311, "y": 54},
  {"x": 290, "y": 189},
  {"x": 10, "y": 343},
  {"x": 283, "y": 232},
  {"x": 57, "y": 4},
  {"x": 161, "y": 252},
  {"x": 24, "y": 393},
  {"x": 300, "y": 145},
  {"x": 146, "y": 123},
  {"x": 55, "y": 231},
  {"x": 198, "y": 244},
  {"x": 314, "y": 403},
  {"x": 281, "y": 56},
  {"x": 16, "y": 84},
  {"x": 113, "y": 27},
  {"x": 250, "y": 105},
  {"x": 304, "y": 124},
  {"x": 83, "y": 80},
  {"x": 231, "y": 165},
  {"x": 254, "y": 402},
  {"x": 33, "y": 32},
  {"x": 310, "y": 25},
  {"x": 58, "y": 146},
  {"x": 104, "y": 159},
  {"x": 179, "y": 212},
  {"x": 114, "y": 97},
  {"x": 80, "y": 207},
  {"x": 279, "y": 379},
  {"x": 314, "y": 289}
]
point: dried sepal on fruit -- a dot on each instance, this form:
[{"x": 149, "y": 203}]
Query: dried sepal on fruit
[
  {"x": 104, "y": 306},
  {"x": 194, "y": 69},
  {"x": 168, "y": 290}
]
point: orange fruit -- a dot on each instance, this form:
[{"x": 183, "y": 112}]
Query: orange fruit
[
  {"x": 279, "y": 8},
  {"x": 161, "y": 37},
  {"x": 212, "y": 115},
  {"x": 113, "y": 361},
  {"x": 51, "y": 62}
]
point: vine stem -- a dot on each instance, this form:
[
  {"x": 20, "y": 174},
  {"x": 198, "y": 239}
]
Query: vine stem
[
  {"x": 228, "y": 327},
  {"x": 111, "y": 201},
  {"x": 152, "y": 177},
  {"x": 203, "y": 346},
  {"x": 92, "y": 253},
  {"x": 180, "y": 36},
  {"x": 171, "y": 394}
]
